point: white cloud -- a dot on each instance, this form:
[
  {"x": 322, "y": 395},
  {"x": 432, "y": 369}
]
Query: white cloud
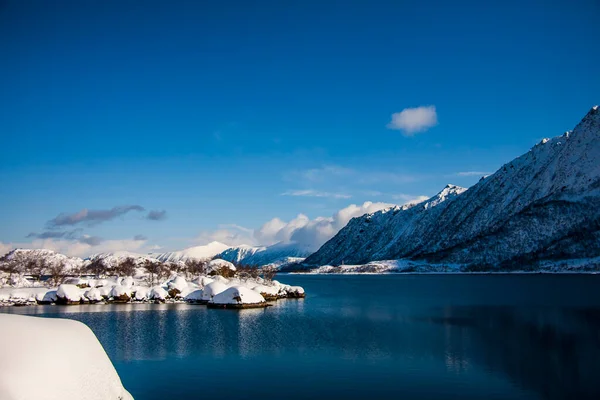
[
  {"x": 315, "y": 193},
  {"x": 308, "y": 233},
  {"x": 414, "y": 120},
  {"x": 472, "y": 173},
  {"x": 224, "y": 235}
]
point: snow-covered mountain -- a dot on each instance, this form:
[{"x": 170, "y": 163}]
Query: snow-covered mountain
[
  {"x": 278, "y": 254},
  {"x": 116, "y": 258},
  {"x": 198, "y": 252},
  {"x": 51, "y": 258},
  {"x": 544, "y": 205}
]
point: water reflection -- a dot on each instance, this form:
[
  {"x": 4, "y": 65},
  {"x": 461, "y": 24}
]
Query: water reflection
[{"x": 388, "y": 345}]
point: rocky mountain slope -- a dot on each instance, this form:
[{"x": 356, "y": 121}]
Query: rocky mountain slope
[{"x": 544, "y": 205}]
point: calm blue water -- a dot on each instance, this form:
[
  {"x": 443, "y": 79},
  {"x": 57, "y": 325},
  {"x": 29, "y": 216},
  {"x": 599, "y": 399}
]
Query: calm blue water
[{"x": 365, "y": 337}]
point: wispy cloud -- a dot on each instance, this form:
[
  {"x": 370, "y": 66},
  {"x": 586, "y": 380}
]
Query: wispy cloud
[
  {"x": 73, "y": 234},
  {"x": 157, "y": 215},
  {"x": 409, "y": 198},
  {"x": 91, "y": 217},
  {"x": 140, "y": 237},
  {"x": 325, "y": 172},
  {"x": 472, "y": 173},
  {"x": 91, "y": 240},
  {"x": 414, "y": 120},
  {"x": 315, "y": 193}
]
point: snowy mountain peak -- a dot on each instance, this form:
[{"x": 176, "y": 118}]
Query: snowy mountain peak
[
  {"x": 545, "y": 203},
  {"x": 448, "y": 192}
]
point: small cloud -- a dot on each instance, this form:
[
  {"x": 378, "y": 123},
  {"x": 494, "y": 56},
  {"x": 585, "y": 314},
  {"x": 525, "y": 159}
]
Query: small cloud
[
  {"x": 156, "y": 215},
  {"x": 91, "y": 240},
  {"x": 91, "y": 217},
  {"x": 237, "y": 227},
  {"x": 315, "y": 193},
  {"x": 472, "y": 173},
  {"x": 409, "y": 199},
  {"x": 414, "y": 120},
  {"x": 140, "y": 238}
]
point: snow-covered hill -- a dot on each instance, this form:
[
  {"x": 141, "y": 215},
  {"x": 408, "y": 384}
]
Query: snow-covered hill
[
  {"x": 51, "y": 258},
  {"x": 278, "y": 254},
  {"x": 198, "y": 252},
  {"x": 116, "y": 258},
  {"x": 544, "y": 205}
]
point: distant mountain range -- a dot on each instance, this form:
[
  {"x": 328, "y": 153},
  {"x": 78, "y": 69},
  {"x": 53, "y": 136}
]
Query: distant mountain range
[
  {"x": 543, "y": 206},
  {"x": 279, "y": 254},
  {"x": 198, "y": 252},
  {"x": 538, "y": 211}
]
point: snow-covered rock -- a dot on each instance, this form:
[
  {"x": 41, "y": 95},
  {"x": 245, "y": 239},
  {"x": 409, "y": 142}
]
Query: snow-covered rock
[
  {"x": 67, "y": 294},
  {"x": 194, "y": 296},
  {"x": 266, "y": 291},
  {"x": 105, "y": 291},
  {"x": 127, "y": 282},
  {"x": 158, "y": 293},
  {"x": 178, "y": 283},
  {"x": 202, "y": 281},
  {"x": 141, "y": 293},
  {"x": 213, "y": 289},
  {"x": 93, "y": 295},
  {"x": 120, "y": 293},
  {"x": 72, "y": 365},
  {"x": 46, "y": 297},
  {"x": 237, "y": 295},
  {"x": 218, "y": 263},
  {"x": 543, "y": 205}
]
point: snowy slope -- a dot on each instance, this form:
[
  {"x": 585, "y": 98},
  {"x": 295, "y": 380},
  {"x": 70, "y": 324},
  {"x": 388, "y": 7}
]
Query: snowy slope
[
  {"x": 198, "y": 252},
  {"x": 62, "y": 360},
  {"x": 278, "y": 254},
  {"x": 542, "y": 205}
]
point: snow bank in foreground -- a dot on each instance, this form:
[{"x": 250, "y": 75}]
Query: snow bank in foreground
[{"x": 71, "y": 366}]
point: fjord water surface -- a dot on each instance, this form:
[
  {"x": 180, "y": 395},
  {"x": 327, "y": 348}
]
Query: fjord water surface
[{"x": 364, "y": 337}]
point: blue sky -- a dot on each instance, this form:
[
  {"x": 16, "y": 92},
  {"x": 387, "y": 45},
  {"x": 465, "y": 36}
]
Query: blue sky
[{"x": 235, "y": 113}]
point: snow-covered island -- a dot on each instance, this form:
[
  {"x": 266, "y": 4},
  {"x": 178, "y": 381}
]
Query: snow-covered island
[{"x": 217, "y": 283}]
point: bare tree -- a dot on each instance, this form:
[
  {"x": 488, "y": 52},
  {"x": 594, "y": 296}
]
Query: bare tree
[
  {"x": 35, "y": 268},
  {"x": 156, "y": 270},
  {"x": 13, "y": 265},
  {"x": 268, "y": 272},
  {"x": 247, "y": 271},
  {"x": 98, "y": 267},
  {"x": 195, "y": 267},
  {"x": 224, "y": 271},
  {"x": 57, "y": 273},
  {"x": 126, "y": 267}
]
